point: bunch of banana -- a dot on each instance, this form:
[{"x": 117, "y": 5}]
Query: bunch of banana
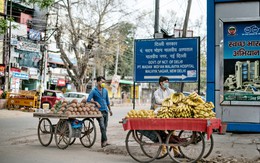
[
  {"x": 202, "y": 114},
  {"x": 167, "y": 102},
  {"x": 193, "y": 95},
  {"x": 209, "y": 105},
  {"x": 140, "y": 114},
  {"x": 193, "y": 101},
  {"x": 180, "y": 106},
  {"x": 204, "y": 110},
  {"x": 166, "y": 112},
  {"x": 183, "y": 111},
  {"x": 173, "y": 107},
  {"x": 177, "y": 97}
]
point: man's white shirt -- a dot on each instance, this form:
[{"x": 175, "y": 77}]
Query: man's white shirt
[{"x": 160, "y": 95}]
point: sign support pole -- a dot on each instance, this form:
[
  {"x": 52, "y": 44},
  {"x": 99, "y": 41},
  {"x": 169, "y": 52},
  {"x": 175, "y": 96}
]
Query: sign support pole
[
  {"x": 199, "y": 67},
  {"x": 134, "y": 97}
]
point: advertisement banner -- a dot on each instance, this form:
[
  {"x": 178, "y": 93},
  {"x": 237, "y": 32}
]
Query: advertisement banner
[
  {"x": 33, "y": 73},
  {"x": 115, "y": 83},
  {"x": 15, "y": 83},
  {"x": 241, "y": 61},
  {"x": 25, "y": 44}
]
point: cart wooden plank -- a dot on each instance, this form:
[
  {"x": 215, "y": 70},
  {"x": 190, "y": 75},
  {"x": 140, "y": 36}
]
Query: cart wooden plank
[{"x": 62, "y": 116}]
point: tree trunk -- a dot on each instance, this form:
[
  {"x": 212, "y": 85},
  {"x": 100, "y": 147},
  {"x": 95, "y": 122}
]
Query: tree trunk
[{"x": 80, "y": 86}]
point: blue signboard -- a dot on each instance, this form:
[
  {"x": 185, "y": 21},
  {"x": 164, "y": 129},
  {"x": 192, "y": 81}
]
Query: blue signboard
[
  {"x": 20, "y": 75},
  {"x": 175, "y": 58}
]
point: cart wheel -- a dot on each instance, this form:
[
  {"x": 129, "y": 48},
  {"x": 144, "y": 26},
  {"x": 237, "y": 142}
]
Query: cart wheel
[
  {"x": 191, "y": 149},
  {"x": 138, "y": 137},
  {"x": 141, "y": 148},
  {"x": 73, "y": 140},
  {"x": 209, "y": 144},
  {"x": 45, "y": 132},
  {"x": 88, "y": 133},
  {"x": 63, "y": 134}
]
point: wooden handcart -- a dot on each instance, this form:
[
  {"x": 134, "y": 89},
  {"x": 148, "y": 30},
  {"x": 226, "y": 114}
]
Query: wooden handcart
[
  {"x": 67, "y": 129},
  {"x": 190, "y": 137}
]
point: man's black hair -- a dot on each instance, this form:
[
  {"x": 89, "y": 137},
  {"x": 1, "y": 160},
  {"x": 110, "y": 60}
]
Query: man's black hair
[
  {"x": 163, "y": 78},
  {"x": 100, "y": 78}
]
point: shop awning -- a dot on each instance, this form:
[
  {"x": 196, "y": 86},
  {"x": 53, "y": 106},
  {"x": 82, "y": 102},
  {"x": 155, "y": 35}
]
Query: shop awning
[{"x": 126, "y": 82}]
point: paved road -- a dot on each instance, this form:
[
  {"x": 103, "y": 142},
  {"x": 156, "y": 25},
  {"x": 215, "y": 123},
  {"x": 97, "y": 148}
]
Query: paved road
[{"x": 19, "y": 143}]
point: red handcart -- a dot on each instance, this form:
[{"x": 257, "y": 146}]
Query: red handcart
[{"x": 144, "y": 143}]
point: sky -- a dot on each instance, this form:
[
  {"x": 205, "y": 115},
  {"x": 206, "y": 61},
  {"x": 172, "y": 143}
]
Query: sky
[{"x": 198, "y": 9}]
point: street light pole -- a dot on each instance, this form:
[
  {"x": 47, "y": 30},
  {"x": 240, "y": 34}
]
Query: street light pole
[
  {"x": 156, "y": 21},
  {"x": 184, "y": 30},
  {"x": 117, "y": 54},
  {"x": 43, "y": 64},
  {"x": 8, "y": 65}
]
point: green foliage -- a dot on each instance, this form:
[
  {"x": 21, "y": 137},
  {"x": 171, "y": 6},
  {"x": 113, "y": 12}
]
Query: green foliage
[
  {"x": 3, "y": 25},
  {"x": 3, "y": 95},
  {"x": 42, "y": 3},
  {"x": 57, "y": 106},
  {"x": 125, "y": 60}
]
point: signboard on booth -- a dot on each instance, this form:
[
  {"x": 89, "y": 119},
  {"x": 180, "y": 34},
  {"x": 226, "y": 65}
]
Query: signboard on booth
[
  {"x": 176, "y": 58},
  {"x": 241, "y": 53}
]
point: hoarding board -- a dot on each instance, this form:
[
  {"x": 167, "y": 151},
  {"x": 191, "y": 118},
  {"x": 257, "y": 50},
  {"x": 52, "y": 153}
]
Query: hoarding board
[
  {"x": 2, "y": 6},
  {"x": 241, "y": 54},
  {"x": 175, "y": 58}
]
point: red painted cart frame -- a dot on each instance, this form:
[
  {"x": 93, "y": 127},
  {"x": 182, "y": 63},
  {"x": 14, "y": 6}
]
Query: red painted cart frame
[{"x": 192, "y": 124}]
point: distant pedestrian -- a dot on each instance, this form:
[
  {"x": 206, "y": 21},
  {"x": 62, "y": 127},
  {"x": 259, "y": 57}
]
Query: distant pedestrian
[
  {"x": 1, "y": 92},
  {"x": 99, "y": 96},
  {"x": 122, "y": 97}
]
